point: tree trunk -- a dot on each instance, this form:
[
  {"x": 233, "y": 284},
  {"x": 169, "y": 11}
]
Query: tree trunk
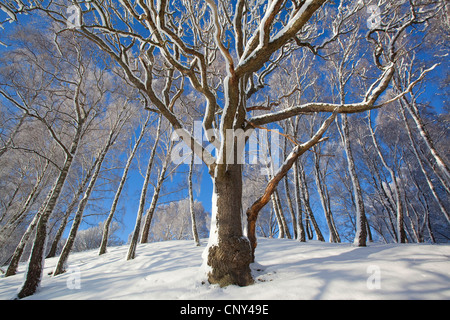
[
  {"x": 361, "y": 229},
  {"x": 107, "y": 224},
  {"x": 334, "y": 236},
  {"x": 228, "y": 255},
  {"x": 421, "y": 165},
  {"x": 134, "y": 240},
  {"x": 275, "y": 208},
  {"x": 14, "y": 264},
  {"x": 305, "y": 198},
  {"x": 159, "y": 184},
  {"x": 36, "y": 261},
  {"x": 69, "y": 210},
  {"x": 61, "y": 265},
  {"x": 282, "y": 217},
  {"x": 401, "y": 235},
  {"x": 414, "y": 112},
  {"x": 191, "y": 202},
  {"x": 300, "y": 234}
]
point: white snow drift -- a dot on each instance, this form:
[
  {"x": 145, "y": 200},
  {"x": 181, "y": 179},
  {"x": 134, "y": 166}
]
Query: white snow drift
[{"x": 286, "y": 269}]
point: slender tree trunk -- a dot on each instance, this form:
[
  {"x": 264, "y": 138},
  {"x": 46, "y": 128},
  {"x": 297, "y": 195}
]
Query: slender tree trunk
[
  {"x": 159, "y": 184},
  {"x": 385, "y": 200},
  {"x": 107, "y": 224},
  {"x": 61, "y": 265},
  {"x": 276, "y": 211},
  {"x": 69, "y": 211},
  {"x": 422, "y": 168},
  {"x": 134, "y": 240},
  {"x": 14, "y": 221},
  {"x": 361, "y": 221},
  {"x": 414, "y": 112},
  {"x": 334, "y": 237},
  {"x": 191, "y": 202},
  {"x": 14, "y": 264},
  {"x": 399, "y": 203},
  {"x": 282, "y": 217},
  {"x": 36, "y": 261},
  {"x": 300, "y": 234},
  {"x": 305, "y": 198}
]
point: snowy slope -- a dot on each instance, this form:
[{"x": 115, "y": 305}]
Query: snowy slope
[{"x": 286, "y": 269}]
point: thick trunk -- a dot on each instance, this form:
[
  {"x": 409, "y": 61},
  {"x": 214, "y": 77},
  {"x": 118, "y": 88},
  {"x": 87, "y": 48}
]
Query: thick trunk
[{"x": 228, "y": 255}]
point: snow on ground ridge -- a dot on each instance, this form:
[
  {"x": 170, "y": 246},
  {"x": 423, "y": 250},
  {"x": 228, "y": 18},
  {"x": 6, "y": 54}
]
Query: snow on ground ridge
[{"x": 285, "y": 269}]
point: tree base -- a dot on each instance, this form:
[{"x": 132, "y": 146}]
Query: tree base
[{"x": 230, "y": 262}]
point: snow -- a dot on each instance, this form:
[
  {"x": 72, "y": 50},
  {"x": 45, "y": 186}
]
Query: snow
[
  {"x": 213, "y": 235},
  {"x": 285, "y": 269}
]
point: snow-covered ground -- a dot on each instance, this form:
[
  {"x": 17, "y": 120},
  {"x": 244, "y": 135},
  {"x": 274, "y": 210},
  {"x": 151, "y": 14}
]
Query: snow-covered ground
[{"x": 286, "y": 269}]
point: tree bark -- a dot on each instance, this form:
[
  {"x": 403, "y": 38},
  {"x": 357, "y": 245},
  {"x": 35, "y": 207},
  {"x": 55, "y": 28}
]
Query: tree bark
[
  {"x": 361, "y": 221},
  {"x": 305, "y": 198},
  {"x": 276, "y": 211},
  {"x": 14, "y": 264},
  {"x": 421, "y": 165},
  {"x": 191, "y": 203},
  {"x": 334, "y": 236},
  {"x": 155, "y": 197},
  {"x": 134, "y": 240},
  {"x": 401, "y": 235},
  {"x": 297, "y": 227},
  {"x": 228, "y": 254},
  {"x": 107, "y": 224},
  {"x": 36, "y": 262},
  {"x": 61, "y": 265},
  {"x": 69, "y": 210}
]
